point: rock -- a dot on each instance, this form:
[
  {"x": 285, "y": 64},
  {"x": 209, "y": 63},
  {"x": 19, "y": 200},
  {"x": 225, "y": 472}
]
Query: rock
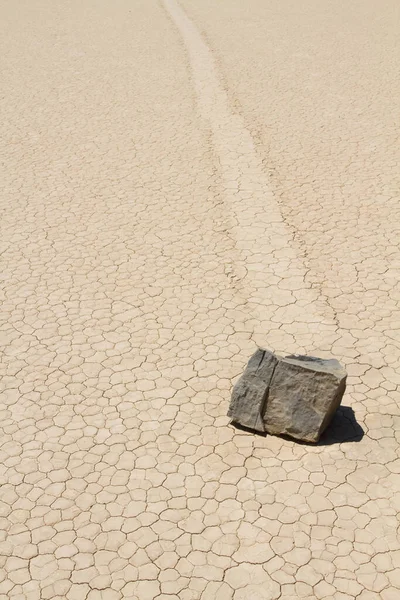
[
  {"x": 304, "y": 394},
  {"x": 250, "y": 392},
  {"x": 295, "y": 395}
]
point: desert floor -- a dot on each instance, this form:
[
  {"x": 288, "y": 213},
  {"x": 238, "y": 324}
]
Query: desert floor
[{"x": 181, "y": 182}]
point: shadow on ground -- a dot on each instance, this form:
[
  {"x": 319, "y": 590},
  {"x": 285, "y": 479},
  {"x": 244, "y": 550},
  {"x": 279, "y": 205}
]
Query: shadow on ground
[
  {"x": 248, "y": 429},
  {"x": 343, "y": 428}
]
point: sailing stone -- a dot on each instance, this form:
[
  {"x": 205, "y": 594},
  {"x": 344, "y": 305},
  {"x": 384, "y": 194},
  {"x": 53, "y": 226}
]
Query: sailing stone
[{"x": 295, "y": 395}]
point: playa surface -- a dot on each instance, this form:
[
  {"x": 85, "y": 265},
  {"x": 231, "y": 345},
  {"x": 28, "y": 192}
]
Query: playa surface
[{"x": 183, "y": 181}]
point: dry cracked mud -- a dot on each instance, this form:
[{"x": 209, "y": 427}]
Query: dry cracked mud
[{"x": 183, "y": 181}]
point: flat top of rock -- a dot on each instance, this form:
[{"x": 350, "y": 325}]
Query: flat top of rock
[{"x": 330, "y": 365}]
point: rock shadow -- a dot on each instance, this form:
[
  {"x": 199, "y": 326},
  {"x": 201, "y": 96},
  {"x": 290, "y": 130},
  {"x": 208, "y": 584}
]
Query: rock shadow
[
  {"x": 343, "y": 428},
  {"x": 237, "y": 425}
]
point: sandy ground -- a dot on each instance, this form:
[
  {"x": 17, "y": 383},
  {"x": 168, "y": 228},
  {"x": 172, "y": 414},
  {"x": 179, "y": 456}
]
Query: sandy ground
[{"x": 181, "y": 182}]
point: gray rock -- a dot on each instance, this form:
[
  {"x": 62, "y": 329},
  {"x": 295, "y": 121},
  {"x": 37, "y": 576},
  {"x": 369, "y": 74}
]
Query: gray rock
[
  {"x": 304, "y": 394},
  {"x": 251, "y": 391},
  {"x": 295, "y": 395}
]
